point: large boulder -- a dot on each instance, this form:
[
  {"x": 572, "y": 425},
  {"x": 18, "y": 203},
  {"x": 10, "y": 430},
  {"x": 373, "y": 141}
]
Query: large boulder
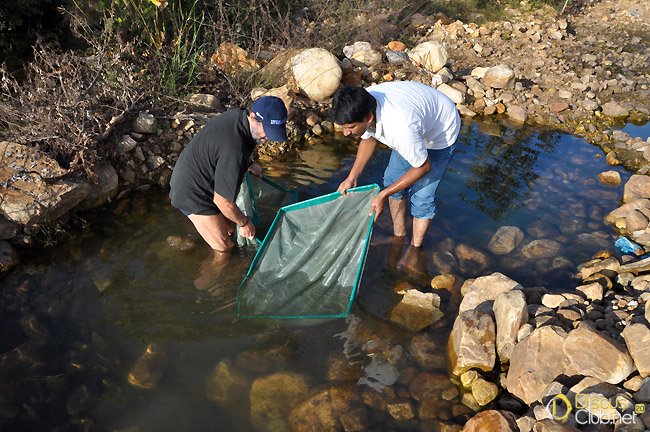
[
  {"x": 31, "y": 191},
  {"x": 593, "y": 354},
  {"x": 432, "y": 56},
  {"x": 637, "y": 339},
  {"x": 482, "y": 291},
  {"x": 511, "y": 312},
  {"x": 472, "y": 342},
  {"x": 273, "y": 397},
  {"x": 637, "y": 187},
  {"x": 317, "y": 73},
  {"x": 535, "y": 362}
]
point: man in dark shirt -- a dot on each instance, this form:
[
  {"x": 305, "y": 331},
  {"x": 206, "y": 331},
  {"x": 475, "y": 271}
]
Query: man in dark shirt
[{"x": 210, "y": 170}]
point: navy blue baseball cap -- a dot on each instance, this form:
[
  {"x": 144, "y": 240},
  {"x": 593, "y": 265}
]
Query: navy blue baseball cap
[{"x": 271, "y": 112}]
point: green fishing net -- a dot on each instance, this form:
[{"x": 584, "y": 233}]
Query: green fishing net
[
  {"x": 260, "y": 198},
  {"x": 310, "y": 262}
]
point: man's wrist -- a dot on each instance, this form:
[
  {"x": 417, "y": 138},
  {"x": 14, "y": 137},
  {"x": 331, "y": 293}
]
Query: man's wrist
[{"x": 246, "y": 221}]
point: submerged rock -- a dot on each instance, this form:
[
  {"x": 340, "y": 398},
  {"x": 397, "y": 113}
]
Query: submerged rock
[
  {"x": 427, "y": 352},
  {"x": 8, "y": 257},
  {"x": 491, "y": 420},
  {"x": 273, "y": 397},
  {"x": 226, "y": 385},
  {"x": 505, "y": 240},
  {"x": 326, "y": 410},
  {"x": 417, "y": 310},
  {"x": 148, "y": 369}
]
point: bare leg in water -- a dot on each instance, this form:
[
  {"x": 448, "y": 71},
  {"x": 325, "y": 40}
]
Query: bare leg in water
[{"x": 211, "y": 270}]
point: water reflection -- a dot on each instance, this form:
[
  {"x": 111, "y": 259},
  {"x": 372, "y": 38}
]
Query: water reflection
[{"x": 117, "y": 305}]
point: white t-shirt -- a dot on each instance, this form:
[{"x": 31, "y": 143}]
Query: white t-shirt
[{"x": 412, "y": 117}]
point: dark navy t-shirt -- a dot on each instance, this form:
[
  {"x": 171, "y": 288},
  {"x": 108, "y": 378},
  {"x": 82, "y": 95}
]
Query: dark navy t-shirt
[{"x": 214, "y": 161}]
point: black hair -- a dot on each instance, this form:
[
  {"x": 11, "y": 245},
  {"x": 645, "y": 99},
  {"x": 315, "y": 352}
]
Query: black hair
[{"x": 352, "y": 105}]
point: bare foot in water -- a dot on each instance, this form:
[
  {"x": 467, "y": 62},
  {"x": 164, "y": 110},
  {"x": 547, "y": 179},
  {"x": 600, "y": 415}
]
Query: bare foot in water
[
  {"x": 413, "y": 261},
  {"x": 211, "y": 270},
  {"x": 394, "y": 251}
]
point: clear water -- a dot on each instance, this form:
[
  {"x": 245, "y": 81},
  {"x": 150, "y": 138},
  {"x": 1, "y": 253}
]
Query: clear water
[
  {"x": 635, "y": 130},
  {"x": 76, "y": 318}
]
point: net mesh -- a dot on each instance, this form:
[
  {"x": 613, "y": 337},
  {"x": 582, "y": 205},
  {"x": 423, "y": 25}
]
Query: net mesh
[{"x": 310, "y": 263}]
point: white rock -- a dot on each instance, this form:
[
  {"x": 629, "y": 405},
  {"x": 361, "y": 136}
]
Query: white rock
[
  {"x": 317, "y": 73},
  {"x": 430, "y": 55},
  {"x": 455, "y": 95}
]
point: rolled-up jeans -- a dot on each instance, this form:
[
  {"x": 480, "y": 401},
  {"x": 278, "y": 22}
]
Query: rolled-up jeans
[{"x": 422, "y": 193}]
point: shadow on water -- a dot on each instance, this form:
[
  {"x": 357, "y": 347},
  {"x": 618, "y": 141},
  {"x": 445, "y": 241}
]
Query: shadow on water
[{"x": 84, "y": 321}]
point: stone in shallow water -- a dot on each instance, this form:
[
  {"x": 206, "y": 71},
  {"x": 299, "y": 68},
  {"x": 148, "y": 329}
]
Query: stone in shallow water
[
  {"x": 492, "y": 421},
  {"x": 511, "y": 312},
  {"x": 610, "y": 178},
  {"x": 505, "y": 240},
  {"x": 426, "y": 352},
  {"x": 8, "y": 257},
  {"x": 148, "y": 369},
  {"x": 544, "y": 248},
  {"x": 227, "y": 385},
  {"x": 324, "y": 409},
  {"x": 273, "y": 397},
  {"x": 417, "y": 310},
  {"x": 471, "y": 261},
  {"x": 472, "y": 342},
  {"x": 339, "y": 368}
]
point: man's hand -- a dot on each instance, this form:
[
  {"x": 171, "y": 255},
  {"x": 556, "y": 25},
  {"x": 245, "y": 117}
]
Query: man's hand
[
  {"x": 348, "y": 183},
  {"x": 377, "y": 205},
  {"x": 255, "y": 169},
  {"x": 247, "y": 230}
]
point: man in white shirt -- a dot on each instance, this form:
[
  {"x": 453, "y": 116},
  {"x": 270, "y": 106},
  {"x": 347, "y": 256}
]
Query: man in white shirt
[{"x": 421, "y": 125}]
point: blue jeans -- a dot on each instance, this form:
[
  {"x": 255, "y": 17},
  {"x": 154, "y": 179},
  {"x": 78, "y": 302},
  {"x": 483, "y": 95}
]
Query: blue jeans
[{"x": 422, "y": 194}]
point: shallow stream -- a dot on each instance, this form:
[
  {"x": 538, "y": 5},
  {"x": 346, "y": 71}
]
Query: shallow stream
[{"x": 78, "y": 317}]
